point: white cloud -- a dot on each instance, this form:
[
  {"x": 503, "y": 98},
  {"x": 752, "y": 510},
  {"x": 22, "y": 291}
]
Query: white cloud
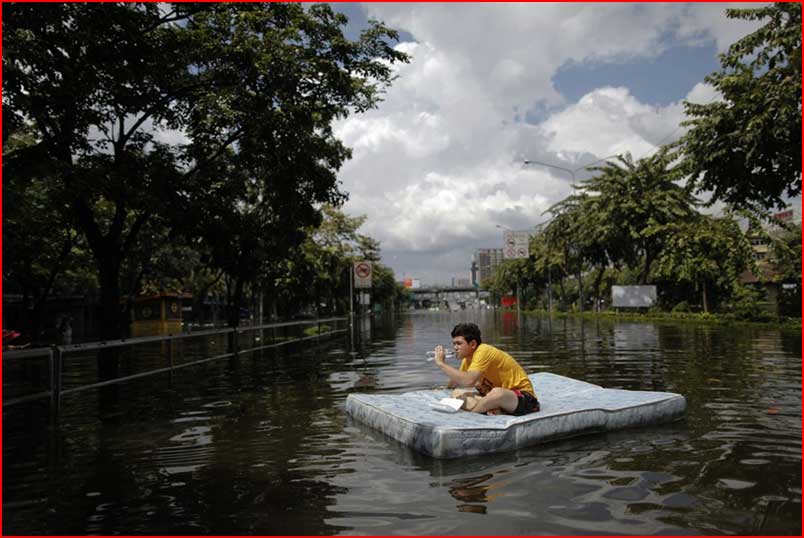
[{"x": 439, "y": 163}]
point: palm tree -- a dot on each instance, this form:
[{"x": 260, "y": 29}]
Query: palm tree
[{"x": 627, "y": 207}]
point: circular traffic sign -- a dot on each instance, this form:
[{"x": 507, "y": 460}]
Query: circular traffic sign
[{"x": 363, "y": 270}]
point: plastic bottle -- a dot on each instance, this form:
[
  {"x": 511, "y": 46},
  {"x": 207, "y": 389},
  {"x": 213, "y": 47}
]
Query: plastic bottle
[{"x": 448, "y": 354}]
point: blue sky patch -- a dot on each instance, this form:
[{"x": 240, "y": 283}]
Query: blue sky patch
[{"x": 656, "y": 81}]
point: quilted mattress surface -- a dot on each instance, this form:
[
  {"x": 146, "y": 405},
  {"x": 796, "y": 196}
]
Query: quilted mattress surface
[{"x": 568, "y": 408}]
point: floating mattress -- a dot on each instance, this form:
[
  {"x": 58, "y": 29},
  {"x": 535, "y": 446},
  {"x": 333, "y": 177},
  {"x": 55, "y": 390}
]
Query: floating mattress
[{"x": 568, "y": 408}]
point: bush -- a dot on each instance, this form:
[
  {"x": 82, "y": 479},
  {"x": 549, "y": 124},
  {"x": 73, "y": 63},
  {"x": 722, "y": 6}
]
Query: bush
[
  {"x": 746, "y": 305},
  {"x": 315, "y": 330},
  {"x": 683, "y": 306}
]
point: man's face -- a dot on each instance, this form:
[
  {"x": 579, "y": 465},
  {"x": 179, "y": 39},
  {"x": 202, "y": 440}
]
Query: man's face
[{"x": 462, "y": 348}]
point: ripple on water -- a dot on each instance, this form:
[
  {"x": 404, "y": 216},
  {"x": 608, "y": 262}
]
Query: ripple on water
[
  {"x": 742, "y": 433},
  {"x": 754, "y": 461},
  {"x": 626, "y": 494},
  {"x": 732, "y": 483},
  {"x": 221, "y": 403}
]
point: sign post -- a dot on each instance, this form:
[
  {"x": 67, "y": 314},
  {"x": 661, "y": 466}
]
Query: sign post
[
  {"x": 362, "y": 272},
  {"x": 362, "y": 278},
  {"x": 351, "y": 307},
  {"x": 515, "y": 244}
]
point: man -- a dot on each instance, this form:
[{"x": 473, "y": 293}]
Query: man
[{"x": 500, "y": 382}]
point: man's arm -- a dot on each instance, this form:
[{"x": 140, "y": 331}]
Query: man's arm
[{"x": 456, "y": 377}]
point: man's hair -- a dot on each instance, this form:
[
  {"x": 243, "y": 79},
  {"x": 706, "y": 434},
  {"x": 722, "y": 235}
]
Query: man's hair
[{"x": 469, "y": 331}]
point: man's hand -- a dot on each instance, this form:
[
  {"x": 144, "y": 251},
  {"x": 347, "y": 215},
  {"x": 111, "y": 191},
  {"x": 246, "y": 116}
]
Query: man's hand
[{"x": 439, "y": 355}]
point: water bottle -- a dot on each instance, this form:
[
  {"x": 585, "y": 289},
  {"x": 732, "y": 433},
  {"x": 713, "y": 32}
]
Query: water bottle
[{"x": 448, "y": 354}]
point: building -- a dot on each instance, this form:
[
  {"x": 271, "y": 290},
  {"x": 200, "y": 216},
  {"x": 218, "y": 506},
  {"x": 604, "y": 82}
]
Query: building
[
  {"x": 759, "y": 241},
  {"x": 783, "y": 296},
  {"x": 487, "y": 259}
]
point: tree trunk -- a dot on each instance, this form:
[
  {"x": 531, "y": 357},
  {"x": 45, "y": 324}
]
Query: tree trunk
[
  {"x": 596, "y": 287},
  {"x": 580, "y": 292},
  {"x": 703, "y": 296},
  {"x": 109, "y": 276},
  {"x": 237, "y": 299},
  {"x": 109, "y": 273},
  {"x": 643, "y": 278}
]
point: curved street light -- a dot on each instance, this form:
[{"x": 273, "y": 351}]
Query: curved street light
[
  {"x": 574, "y": 186},
  {"x": 570, "y": 170}
]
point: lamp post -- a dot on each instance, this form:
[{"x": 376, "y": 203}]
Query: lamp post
[
  {"x": 574, "y": 186},
  {"x": 571, "y": 171}
]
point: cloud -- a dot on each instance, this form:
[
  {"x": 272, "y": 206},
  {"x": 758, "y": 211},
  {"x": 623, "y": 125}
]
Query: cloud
[{"x": 440, "y": 163}]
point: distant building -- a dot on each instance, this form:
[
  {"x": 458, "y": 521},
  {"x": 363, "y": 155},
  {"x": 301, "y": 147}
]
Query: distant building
[
  {"x": 487, "y": 259},
  {"x": 759, "y": 241},
  {"x": 461, "y": 282},
  {"x": 784, "y": 297}
]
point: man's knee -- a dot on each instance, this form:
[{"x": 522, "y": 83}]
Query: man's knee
[
  {"x": 504, "y": 398},
  {"x": 499, "y": 392}
]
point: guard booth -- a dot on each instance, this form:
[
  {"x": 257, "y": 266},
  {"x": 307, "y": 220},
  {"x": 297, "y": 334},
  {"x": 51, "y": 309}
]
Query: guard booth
[{"x": 158, "y": 314}]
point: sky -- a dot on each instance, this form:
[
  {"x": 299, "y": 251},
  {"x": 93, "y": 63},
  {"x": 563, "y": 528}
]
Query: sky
[{"x": 438, "y": 167}]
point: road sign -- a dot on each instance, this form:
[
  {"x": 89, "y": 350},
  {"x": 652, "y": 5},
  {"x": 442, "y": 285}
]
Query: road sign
[
  {"x": 362, "y": 272},
  {"x": 515, "y": 244}
]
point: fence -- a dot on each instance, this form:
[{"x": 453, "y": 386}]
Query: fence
[{"x": 171, "y": 351}]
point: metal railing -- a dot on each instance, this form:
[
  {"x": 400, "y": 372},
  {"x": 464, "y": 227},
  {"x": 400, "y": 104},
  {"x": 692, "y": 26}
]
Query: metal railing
[{"x": 56, "y": 355}]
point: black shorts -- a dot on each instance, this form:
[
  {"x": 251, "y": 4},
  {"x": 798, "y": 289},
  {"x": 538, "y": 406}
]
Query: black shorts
[{"x": 527, "y": 403}]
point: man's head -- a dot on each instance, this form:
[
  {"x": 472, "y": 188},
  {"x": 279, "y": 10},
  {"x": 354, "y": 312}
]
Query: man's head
[{"x": 465, "y": 339}]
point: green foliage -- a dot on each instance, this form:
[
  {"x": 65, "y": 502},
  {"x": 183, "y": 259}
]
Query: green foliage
[
  {"x": 705, "y": 254},
  {"x": 43, "y": 253},
  {"x": 246, "y": 92},
  {"x": 681, "y": 306},
  {"x": 746, "y": 304},
  {"x": 629, "y": 206},
  {"x": 318, "y": 272},
  {"x": 746, "y": 147},
  {"x": 785, "y": 254}
]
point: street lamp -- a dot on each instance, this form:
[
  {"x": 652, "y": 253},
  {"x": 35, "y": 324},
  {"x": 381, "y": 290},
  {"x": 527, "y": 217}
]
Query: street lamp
[
  {"x": 574, "y": 186},
  {"x": 569, "y": 170}
]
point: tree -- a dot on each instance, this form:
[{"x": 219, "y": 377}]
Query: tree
[
  {"x": 109, "y": 87},
  {"x": 566, "y": 234},
  {"x": 39, "y": 241},
  {"x": 319, "y": 272},
  {"x": 629, "y": 206},
  {"x": 785, "y": 263},
  {"x": 706, "y": 254},
  {"x": 746, "y": 148}
]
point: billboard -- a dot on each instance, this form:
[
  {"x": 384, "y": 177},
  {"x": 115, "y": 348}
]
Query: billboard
[{"x": 633, "y": 296}]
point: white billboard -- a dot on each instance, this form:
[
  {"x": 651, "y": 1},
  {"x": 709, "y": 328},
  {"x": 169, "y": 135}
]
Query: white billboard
[{"x": 633, "y": 296}]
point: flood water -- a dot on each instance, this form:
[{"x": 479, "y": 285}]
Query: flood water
[{"x": 261, "y": 444}]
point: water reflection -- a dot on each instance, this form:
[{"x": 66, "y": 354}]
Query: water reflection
[
  {"x": 260, "y": 444},
  {"x": 472, "y": 490}
]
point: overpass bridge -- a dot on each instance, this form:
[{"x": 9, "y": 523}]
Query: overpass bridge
[{"x": 452, "y": 297}]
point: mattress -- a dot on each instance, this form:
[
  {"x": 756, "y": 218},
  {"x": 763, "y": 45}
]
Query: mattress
[{"x": 569, "y": 407}]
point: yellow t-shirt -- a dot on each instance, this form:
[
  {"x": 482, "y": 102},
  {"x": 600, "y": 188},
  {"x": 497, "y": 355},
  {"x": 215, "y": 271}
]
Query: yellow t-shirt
[{"x": 499, "y": 370}]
